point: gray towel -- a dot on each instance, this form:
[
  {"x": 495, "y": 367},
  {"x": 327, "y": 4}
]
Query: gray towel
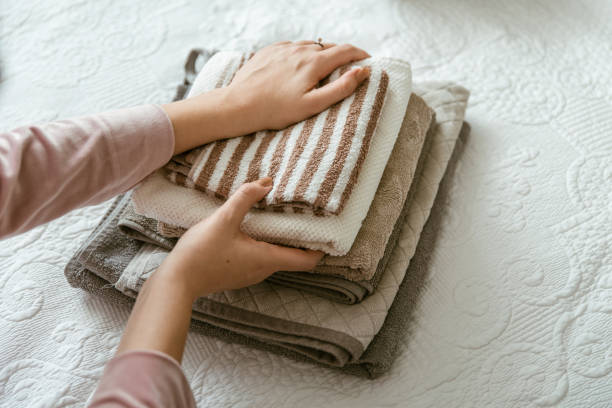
[{"x": 108, "y": 252}]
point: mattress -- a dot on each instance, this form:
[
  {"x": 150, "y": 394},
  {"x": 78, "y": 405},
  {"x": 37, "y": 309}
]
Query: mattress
[{"x": 517, "y": 308}]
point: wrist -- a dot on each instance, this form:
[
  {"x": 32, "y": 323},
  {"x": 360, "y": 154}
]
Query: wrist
[
  {"x": 218, "y": 114},
  {"x": 243, "y": 113},
  {"x": 173, "y": 278}
]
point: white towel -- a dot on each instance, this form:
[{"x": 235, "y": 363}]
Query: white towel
[{"x": 160, "y": 199}]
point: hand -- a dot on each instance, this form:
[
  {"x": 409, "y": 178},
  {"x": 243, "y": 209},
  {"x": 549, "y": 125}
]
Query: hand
[
  {"x": 215, "y": 255},
  {"x": 275, "y": 88},
  {"x": 211, "y": 256}
]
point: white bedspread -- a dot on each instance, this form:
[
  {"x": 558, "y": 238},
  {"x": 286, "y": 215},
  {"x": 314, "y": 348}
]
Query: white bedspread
[{"x": 518, "y": 310}]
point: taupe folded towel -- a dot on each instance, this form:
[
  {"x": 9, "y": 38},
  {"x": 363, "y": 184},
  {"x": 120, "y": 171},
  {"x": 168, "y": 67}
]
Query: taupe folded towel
[
  {"x": 368, "y": 258},
  {"x": 314, "y": 163},
  {"x": 374, "y": 361}
]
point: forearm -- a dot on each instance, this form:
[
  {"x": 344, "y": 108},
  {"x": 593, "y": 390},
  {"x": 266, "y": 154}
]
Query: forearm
[
  {"x": 48, "y": 170},
  {"x": 160, "y": 318}
]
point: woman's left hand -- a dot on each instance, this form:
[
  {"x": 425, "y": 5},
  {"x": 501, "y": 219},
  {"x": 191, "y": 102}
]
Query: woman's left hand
[
  {"x": 275, "y": 88},
  {"x": 278, "y": 85}
]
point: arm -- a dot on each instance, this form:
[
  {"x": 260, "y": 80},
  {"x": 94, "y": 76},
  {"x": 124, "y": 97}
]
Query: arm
[
  {"x": 48, "y": 170},
  {"x": 212, "y": 256}
]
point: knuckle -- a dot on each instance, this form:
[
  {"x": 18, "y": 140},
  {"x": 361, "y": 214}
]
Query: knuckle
[
  {"x": 348, "y": 85},
  {"x": 345, "y": 47},
  {"x": 317, "y": 59},
  {"x": 248, "y": 189},
  {"x": 299, "y": 49}
]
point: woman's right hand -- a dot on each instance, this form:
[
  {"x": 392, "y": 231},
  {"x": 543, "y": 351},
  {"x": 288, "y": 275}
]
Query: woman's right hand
[{"x": 215, "y": 255}]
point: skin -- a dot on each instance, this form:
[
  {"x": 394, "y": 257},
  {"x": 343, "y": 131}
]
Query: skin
[{"x": 215, "y": 255}]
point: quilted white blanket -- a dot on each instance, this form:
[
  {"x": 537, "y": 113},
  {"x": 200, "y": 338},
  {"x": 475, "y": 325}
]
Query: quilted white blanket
[{"x": 518, "y": 308}]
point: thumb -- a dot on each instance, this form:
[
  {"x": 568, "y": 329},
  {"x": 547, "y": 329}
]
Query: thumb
[{"x": 237, "y": 206}]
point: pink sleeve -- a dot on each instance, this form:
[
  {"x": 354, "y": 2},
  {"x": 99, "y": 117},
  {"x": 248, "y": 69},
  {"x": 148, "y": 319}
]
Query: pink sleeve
[
  {"x": 142, "y": 379},
  {"x": 50, "y": 169}
]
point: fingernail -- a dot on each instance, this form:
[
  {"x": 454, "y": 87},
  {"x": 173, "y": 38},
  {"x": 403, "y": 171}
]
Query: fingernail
[
  {"x": 265, "y": 182},
  {"x": 363, "y": 72}
]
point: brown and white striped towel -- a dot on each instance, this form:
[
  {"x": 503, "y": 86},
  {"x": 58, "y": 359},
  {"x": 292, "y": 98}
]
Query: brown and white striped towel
[{"x": 314, "y": 164}]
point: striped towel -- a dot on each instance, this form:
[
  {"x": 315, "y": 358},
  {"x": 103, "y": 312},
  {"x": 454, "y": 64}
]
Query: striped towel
[{"x": 314, "y": 164}]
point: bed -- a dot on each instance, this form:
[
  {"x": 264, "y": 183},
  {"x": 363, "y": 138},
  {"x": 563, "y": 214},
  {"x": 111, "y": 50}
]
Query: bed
[{"x": 517, "y": 309}]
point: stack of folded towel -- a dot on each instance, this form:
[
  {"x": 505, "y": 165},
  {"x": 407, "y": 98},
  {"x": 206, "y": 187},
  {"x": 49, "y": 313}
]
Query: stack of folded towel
[{"x": 357, "y": 181}]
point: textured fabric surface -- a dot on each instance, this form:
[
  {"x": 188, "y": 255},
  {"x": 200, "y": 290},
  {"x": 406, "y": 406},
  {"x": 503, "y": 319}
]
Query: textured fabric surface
[
  {"x": 514, "y": 308},
  {"x": 314, "y": 164},
  {"x": 156, "y": 197}
]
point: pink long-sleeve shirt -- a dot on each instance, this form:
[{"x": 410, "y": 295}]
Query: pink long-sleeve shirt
[{"x": 48, "y": 170}]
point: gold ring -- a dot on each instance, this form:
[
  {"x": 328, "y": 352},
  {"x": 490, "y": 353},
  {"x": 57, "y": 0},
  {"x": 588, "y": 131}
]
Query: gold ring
[{"x": 318, "y": 42}]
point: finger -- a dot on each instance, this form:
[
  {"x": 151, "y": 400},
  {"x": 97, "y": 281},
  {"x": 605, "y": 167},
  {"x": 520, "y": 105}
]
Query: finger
[
  {"x": 237, "y": 206},
  {"x": 326, "y": 45},
  {"x": 304, "y": 42},
  {"x": 322, "y": 46},
  {"x": 321, "y": 98},
  {"x": 291, "y": 259},
  {"x": 335, "y": 57}
]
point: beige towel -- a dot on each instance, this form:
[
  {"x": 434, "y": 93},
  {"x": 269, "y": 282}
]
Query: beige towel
[{"x": 314, "y": 163}]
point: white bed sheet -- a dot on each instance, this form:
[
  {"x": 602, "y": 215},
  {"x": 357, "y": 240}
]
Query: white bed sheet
[{"x": 518, "y": 309}]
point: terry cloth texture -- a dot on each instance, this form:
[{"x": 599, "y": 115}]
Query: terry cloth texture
[
  {"x": 380, "y": 352},
  {"x": 327, "y": 332},
  {"x": 347, "y": 281},
  {"x": 314, "y": 164},
  {"x": 144, "y": 229},
  {"x": 157, "y": 197}
]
